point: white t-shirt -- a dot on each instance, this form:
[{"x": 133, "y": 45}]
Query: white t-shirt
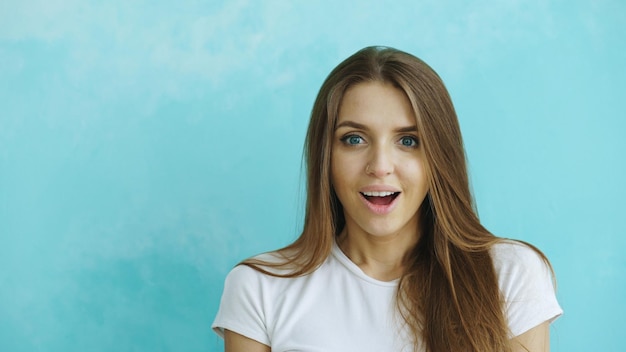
[{"x": 339, "y": 308}]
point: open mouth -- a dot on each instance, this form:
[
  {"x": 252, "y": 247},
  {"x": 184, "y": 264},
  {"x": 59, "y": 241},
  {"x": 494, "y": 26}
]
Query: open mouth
[{"x": 380, "y": 198}]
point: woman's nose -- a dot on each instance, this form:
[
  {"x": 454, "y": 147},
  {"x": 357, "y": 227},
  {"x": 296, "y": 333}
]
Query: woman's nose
[{"x": 381, "y": 162}]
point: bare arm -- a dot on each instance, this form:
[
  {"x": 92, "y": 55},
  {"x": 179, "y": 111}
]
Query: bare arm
[
  {"x": 234, "y": 342},
  {"x": 536, "y": 339}
]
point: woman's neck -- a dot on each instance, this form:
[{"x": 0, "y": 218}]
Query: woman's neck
[{"x": 380, "y": 257}]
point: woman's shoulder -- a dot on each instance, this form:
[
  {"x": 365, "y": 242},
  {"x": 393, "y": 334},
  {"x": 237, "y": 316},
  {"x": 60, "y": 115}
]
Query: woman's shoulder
[
  {"x": 266, "y": 268},
  {"x": 520, "y": 266},
  {"x": 526, "y": 282},
  {"x": 509, "y": 253},
  {"x": 253, "y": 268}
]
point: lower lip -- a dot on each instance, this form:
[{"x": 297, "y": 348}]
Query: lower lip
[{"x": 380, "y": 209}]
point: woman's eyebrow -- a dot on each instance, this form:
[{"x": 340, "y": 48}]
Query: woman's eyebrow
[
  {"x": 351, "y": 124},
  {"x": 407, "y": 129},
  {"x": 359, "y": 126}
]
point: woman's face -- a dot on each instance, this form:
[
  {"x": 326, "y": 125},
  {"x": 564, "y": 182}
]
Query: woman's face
[{"x": 378, "y": 167}]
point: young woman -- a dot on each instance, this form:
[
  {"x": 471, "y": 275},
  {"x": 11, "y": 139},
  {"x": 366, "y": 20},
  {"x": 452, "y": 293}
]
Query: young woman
[{"x": 392, "y": 256}]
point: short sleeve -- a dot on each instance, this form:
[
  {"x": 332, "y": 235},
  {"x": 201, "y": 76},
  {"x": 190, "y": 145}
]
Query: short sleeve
[
  {"x": 526, "y": 284},
  {"x": 242, "y": 307}
]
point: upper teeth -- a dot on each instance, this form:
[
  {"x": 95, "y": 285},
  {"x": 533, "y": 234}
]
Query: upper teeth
[{"x": 378, "y": 194}]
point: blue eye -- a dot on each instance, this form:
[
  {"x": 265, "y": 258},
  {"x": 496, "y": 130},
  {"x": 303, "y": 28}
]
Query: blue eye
[
  {"x": 352, "y": 139},
  {"x": 409, "y": 141}
]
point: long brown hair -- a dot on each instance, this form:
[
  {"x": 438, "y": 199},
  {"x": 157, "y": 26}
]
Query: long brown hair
[{"x": 448, "y": 295}]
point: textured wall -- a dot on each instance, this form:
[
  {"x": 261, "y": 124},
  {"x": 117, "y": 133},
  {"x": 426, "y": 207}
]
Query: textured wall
[{"x": 147, "y": 146}]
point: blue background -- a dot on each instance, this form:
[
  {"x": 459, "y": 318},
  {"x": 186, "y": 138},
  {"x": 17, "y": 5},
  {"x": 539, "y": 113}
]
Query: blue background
[{"x": 148, "y": 146}]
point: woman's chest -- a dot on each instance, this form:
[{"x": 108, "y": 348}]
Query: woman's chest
[{"x": 336, "y": 313}]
